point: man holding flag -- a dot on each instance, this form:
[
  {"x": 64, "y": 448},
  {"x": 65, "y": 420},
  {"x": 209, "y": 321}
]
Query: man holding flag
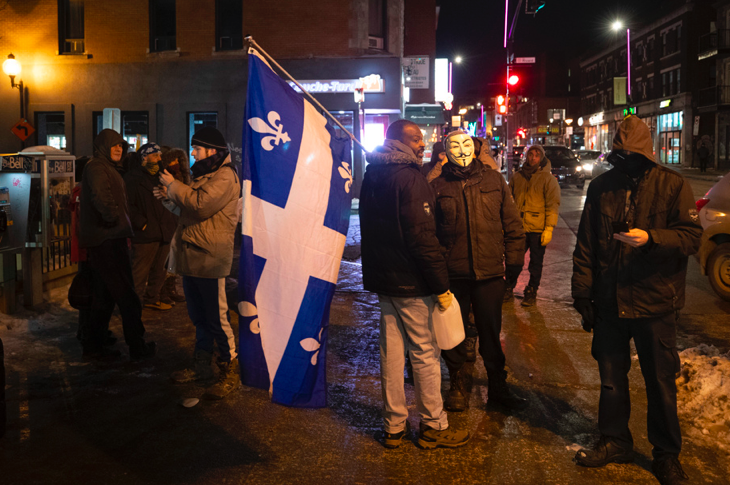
[{"x": 402, "y": 262}]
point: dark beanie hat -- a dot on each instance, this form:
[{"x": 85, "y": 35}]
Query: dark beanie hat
[{"x": 209, "y": 137}]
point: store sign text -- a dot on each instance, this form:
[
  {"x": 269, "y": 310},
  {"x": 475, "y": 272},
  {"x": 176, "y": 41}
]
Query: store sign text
[
  {"x": 371, "y": 84},
  {"x": 665, "y": 103},
  {"x": 596, "y": 118}
]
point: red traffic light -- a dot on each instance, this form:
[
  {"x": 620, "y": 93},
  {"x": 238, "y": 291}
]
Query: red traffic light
[
  {"x": 502, "y": 109},
  {"x": 500, "y": 100},
  {"x": 513, "y": 79}
]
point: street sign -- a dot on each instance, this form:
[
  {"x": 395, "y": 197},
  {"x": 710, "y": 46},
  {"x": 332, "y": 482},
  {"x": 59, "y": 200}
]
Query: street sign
[
  {"x": 22, "y": 129},
  {"x": 524, "y": 60},
  {"x": 415, "y": 72},
  {"x": 16, "y": 163}
]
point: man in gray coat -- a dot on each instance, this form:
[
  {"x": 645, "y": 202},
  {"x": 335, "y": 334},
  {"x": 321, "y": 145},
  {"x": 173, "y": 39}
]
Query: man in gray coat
[{"x": 202, "y": 252}]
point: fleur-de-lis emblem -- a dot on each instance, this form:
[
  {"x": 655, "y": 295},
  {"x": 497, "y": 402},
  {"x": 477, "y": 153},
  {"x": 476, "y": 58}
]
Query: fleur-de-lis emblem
[
  {"x": 246, "y": 309},
  {"x": 274, "y": 128},
  {"x": 312, "y": 345},
  {"x": 346, "y": 173}
]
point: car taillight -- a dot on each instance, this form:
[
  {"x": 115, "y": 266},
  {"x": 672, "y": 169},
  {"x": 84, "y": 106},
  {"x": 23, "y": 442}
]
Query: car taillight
[{"x": 701, "y": 203}]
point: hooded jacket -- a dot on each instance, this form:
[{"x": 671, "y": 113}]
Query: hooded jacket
[
  {"x": 151, "y": 221},
  {"x": 401, "y": 256},
  {"x": 537, "y": 196},
  {"x": 477, "y": 222},
  {"x": 104, "y": 214},
  {"x": 647, "y": 281},
  {"x": 202, "y": 246}
]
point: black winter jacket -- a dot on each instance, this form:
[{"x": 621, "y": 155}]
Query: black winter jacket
[
  {"x": 146, "y": 211},
  {"x": 401, "y": 256},
  {"x": 640, "y": 282},
  {"x": 477, "y": 222},
  {"x": 103, "y": 207}
]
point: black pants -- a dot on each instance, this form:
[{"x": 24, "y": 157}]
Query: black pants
[
  {"x": 655, "y": 340},
  {"x": 537, "y": 255},
  {"x": 703, "y": 164},
  {"x": 112, "y": 268},
  {"x": 485, "y": 299},
  {"x": 3, "y": 409}
]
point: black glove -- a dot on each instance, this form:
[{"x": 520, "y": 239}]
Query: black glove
[
  {"x": 511, "y": 273},
  {"x": 585, "y": 308}
]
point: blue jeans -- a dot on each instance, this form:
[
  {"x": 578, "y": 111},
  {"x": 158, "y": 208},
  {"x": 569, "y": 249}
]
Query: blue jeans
[
  {"x": 208, "y": 309},
  {"x": 404, "y": 326}
]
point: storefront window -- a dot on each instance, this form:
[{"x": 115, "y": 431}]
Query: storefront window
[
  {"x": 670, "y": 137},
  {"x": 51, "y": 129},
  {"x": 374, "y": 131}
]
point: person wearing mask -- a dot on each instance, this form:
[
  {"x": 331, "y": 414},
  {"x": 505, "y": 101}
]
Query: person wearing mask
[
  {"x": 153, "y": 228},
  {"x": 537, "y": 195},
  {"x": 479, "y": 228},
  {"x": 403, "y": 264},
  {"x": 104, "y": 229},
  {"x": 175, "y": 161},
  {"x": 202, "y": 252},
  {"x": 638, "y": 228}
]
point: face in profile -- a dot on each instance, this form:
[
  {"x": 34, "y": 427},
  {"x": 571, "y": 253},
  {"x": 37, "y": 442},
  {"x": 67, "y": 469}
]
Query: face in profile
[
  {"x": 460, "y": 149},
  {"x": 413, "y": 137}
]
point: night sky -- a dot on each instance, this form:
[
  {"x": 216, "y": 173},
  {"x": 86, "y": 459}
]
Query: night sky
[{"x": 474, "y": 30}]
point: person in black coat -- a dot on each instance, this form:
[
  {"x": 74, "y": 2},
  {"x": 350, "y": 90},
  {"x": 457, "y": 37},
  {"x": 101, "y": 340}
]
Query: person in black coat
[
  {"x": 480, "y": 229},
  {"x": 402, "y": 262},
  {"x": 638, "y": 228},
  {"x": 153, "y": 227},
  {"x": 104, "y": 229}
]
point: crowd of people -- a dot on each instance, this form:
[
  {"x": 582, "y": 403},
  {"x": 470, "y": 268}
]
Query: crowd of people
[
  {"x": 453, "y": 228},
  {"x": 141, "y": 219}
]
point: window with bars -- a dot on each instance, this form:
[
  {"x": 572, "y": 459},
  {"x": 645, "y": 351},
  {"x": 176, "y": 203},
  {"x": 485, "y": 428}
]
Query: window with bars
[
  {"x": 162, "y": 25},
  {"x": 228, "y": 25}
]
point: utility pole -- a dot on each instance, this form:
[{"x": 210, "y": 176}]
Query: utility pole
[{"x": 510, "y": 55}]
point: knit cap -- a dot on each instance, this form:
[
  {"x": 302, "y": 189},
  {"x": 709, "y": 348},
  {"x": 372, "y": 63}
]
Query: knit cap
[
  {"x": 209, "y": 137},
  {"x": 148, "y": 149}
]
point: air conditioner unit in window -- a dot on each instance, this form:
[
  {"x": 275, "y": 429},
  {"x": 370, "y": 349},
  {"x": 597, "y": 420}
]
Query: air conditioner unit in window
[
  {"x": 375, "y": 42},
  {"x": 74, "y": 46}
]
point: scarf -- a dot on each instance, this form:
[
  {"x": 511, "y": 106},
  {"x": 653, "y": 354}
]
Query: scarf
[
  {"x": 152, "y": 167},
  {"x": 210, "y": 164},
  {"x": 462, "y": 172}
]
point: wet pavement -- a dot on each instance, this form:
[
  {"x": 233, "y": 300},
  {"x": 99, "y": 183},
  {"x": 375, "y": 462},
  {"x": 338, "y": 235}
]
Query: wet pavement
[{"x": 71, "y": 421}]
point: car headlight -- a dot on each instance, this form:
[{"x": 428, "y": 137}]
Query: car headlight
[
  {"x": 578, "y": 168},
  {"x": 587, "y": 167}
]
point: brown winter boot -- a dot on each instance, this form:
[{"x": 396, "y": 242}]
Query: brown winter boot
[
  {"x": 228, "y": 379},
  {"x": 456, "y": 399}
]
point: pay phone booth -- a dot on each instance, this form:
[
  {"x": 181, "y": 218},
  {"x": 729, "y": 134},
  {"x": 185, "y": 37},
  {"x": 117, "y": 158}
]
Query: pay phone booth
[{"x": 35, "y": 224}]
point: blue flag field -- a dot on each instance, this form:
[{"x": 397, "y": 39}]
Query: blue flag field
[{"x": 296, "y": 185}]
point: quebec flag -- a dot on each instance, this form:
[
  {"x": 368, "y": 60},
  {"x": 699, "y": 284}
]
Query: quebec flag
[{"x": 296, "y": 210}]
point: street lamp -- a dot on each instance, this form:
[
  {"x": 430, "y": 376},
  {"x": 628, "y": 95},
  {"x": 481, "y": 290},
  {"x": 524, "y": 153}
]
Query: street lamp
[
  {"x": 11, "y": 67},
  {"x": 616, "y": 26},
  {"x": 458, "y": 59}
]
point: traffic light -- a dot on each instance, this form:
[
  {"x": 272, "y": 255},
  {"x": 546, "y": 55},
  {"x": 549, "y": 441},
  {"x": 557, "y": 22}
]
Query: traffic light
[
  {"x": 522, "y": 133},
  {"x": 513, "y": 79},
  {"x": 501, "y": 104}
]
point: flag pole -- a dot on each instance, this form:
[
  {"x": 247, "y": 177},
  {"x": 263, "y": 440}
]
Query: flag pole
[{"x": 312, "y": 98}]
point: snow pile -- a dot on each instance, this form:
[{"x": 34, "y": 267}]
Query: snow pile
[{"x": 703, "y": 394}]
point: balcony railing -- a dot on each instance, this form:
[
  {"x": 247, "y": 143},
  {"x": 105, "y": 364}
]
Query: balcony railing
[
  {"x": 714, "y": 96},
  {"x": 714, "y": 42}
]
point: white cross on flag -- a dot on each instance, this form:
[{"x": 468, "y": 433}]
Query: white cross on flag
[{"x": 296, "y": 209}]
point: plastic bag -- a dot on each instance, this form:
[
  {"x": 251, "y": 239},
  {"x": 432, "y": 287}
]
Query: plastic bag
[
  {"x": 448, "y": 326},
  {"x": 81, "y": 292}
]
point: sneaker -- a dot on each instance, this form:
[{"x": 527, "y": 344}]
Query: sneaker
[
  {"x": 160, "y": 306},
  {"x": 393, "y": 440},
  {"x": 199, "y": 370},
  {"x": 509, "y": 295},
  {"x": 430, "y": 438},
  {"x": 228, "y": 379},
  {"x": 146, "y": 351},
  {"x": 602, "y": 454},
  {"x": 668, "y": 471},
  {"x": 530, "y": 296}
]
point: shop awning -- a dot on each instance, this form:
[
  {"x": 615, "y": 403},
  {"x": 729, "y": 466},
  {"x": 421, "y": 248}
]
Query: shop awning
[{"x": 425, "y": 114}]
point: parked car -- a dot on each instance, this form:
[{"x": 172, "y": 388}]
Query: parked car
[
  {"x": 714, "y": 253},
  {"x": 565, "y": 166},
  {"x": 588, "y": 159}
]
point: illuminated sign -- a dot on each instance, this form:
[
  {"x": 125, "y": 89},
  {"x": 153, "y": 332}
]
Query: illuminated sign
[
  {"x": 665, "y": 103},
  {"x": 596, "y": 118},
  {"x": 629, "y": 111},
  {"x": 441, "y": 81},
  {"x": 370, "y": 84}
]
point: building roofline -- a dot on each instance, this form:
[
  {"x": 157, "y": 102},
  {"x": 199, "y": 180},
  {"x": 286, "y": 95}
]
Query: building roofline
[{"x": 645, "y": 30}]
